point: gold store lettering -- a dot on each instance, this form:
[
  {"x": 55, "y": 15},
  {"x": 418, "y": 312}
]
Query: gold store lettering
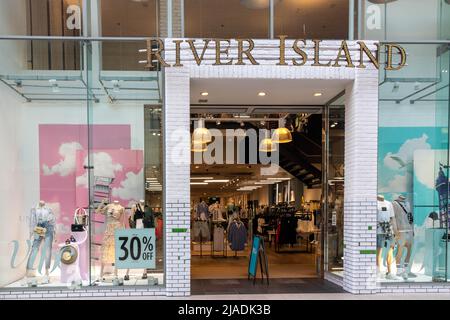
[{"x": 222, "y": 54}]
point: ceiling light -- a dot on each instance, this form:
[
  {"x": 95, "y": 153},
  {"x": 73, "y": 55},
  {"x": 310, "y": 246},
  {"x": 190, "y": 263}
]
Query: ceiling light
[
  {"x": 241, "y": 116},
  {"x": 204, "y": 94},
  {"x": 198, "y": 183},
  {"x": 281, "y": 134},
  {"x": 267, "y": 145},
  {"x": 201, "y": 134},
  {"x": 318, "y": 94},
  {"x": 278, "y": 178},
  {"x": 218, "y": 122},
  {"x": 396, "y": 87},
  {"x": 202, "y": 178},
  {"x": 217, "y": 181},
  {"x": 242, "y": 124},
  {"x": 262, "y": 94}
]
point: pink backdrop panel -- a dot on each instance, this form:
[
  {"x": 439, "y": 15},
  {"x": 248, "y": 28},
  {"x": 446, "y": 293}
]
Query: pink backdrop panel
[{"x": 58, "y": 146}]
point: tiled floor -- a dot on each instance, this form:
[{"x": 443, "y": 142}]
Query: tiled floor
[{"x": 244, "y": 286}]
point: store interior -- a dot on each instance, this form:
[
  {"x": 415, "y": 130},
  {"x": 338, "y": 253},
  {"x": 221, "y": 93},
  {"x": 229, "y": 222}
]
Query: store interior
[{"x": 277, "y": 194}]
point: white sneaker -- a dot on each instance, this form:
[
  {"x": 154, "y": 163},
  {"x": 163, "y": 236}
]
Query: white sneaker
[
  {"x": 391, "y": 276},
  {"x": 45, "y": 280}
]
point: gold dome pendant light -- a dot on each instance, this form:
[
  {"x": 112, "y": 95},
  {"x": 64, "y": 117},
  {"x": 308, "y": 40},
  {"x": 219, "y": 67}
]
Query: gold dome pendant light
[
  {"x": 281, "y": 134},
  {"x": 267, "y": 144},
  {"x": 198, "y": 147},
  {"x": 201, "y": 133}
]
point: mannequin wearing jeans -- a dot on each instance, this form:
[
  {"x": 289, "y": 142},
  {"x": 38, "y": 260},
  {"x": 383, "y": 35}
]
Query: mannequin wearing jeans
[{"x": 41, "y": 217}]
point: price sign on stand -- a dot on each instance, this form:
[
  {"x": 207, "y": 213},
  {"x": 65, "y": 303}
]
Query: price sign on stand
[{"x": 135, "y": 248}]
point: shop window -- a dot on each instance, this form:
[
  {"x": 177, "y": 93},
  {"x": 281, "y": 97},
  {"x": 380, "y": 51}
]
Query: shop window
[
  {"x": 84, "y": 153},
  {"x": 413, "y": 169},
  {"x": 125, "y": 18},
  {"x": 390, "y": 19},
  {"x": 299, "y": 19},
  {"x": 226, "y": 19}
]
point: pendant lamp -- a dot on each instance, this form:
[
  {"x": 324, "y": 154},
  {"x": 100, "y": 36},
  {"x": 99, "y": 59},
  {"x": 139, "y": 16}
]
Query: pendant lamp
[
  {"x": 201, "y": 134},
  {"x": 281, "y": 134},
  {"x": 267, "y": 144},
  {"x": 198, "y": 147}
]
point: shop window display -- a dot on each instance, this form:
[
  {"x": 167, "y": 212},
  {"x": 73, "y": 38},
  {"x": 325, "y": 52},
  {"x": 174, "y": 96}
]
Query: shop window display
[
  {"x": 86, "y": 171},
  {"x": 413, "y": 162}
]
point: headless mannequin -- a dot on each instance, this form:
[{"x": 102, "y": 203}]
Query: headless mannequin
[
  {"x": 390, "y": 253},
  {"x": 405, "y": 230},
  {"x": 31, "y": 273},
  {"x": 139, "y": 225},
  {"x": 111, "y": 210}
]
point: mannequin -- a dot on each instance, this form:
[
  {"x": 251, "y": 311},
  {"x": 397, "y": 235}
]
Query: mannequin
[
  {"x": 42, "y": 228},
  {"x": 114, "y": 214},
  {"x": 386, "y": 235},
  {"x": 216, "y": 211},
  {"x": 141, "y": 217},
  {"x": 405, "y": 227}
]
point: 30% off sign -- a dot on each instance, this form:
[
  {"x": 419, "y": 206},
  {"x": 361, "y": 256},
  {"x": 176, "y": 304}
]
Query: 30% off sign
[{"x": 135, "y": 248}]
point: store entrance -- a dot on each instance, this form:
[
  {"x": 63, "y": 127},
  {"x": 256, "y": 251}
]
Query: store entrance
[{"x": 264, "y": 169}]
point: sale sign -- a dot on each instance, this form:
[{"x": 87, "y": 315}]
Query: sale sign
[{"x": 135, "y": 248}]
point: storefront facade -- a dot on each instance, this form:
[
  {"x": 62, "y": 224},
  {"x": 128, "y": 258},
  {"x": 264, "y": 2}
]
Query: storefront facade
[{"x": 89, "y": 119}]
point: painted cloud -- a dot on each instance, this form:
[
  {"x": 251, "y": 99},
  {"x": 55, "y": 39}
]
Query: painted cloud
[
  {"x": 404, "y": 155},
  {"x": 131, "y": 187},
  {"x": 104, "y": 167},
  {"x": 68, "y": 152}
]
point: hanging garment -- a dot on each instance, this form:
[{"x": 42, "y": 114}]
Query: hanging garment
[
  {"x": 159, "y": 228},
  {"x": 201, "y": 231},
  {"x": 218, "y": 238},
  {"x": 288, "y": 230},
  {"x": 237, "y": 236}
]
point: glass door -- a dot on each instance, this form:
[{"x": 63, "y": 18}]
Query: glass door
[{"x": 333, "y": 185}]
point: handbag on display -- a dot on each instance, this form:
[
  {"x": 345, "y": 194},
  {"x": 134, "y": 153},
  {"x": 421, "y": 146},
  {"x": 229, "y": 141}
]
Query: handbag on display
[
  {"x": 81, "y": 216},
  {"x": 80, "y": 220},
  {"x": 40, "y": 231}
]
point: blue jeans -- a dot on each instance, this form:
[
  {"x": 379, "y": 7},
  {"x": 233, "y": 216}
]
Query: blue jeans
[{"x": 47, "y": 248}]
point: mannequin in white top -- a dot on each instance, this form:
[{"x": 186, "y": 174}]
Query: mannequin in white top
[{"x": 387, "y": 233}]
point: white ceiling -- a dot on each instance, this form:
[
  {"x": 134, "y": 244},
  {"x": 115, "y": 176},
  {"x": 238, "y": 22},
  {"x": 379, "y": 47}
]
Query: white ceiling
[{"x": 279, "y": 92}]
